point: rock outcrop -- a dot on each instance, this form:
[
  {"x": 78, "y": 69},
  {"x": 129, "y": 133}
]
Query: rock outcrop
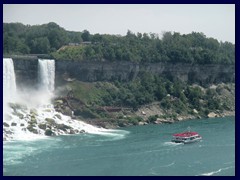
[
  {"x": 212, "y": 115},
  {"x": 126, "y": 71},
  {"x": 26, "y": 70}
]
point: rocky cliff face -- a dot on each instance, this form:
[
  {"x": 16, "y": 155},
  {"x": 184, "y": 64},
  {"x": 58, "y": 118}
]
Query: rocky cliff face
[
  {"x": 126, "y": 71},
  {"x": 97, "y": 71},
  {"x": 27, "y": 71}
]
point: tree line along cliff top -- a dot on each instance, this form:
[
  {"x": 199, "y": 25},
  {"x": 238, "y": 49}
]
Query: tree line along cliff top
[{"x": 52, "y": 40}]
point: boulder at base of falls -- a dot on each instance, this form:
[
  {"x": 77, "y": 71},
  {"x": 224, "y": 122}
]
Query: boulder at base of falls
[
  {"x": 58, "y": 116},
  {"x": 5, "y": 124},
  {"x": 82, "y": 131},
  {"x": 50, "y": 121},
  {"x": 63, "y": 127},
  {"x": 31, "y": 129},
  {"x": 75, "y": 131},
  {"x": 13, "y": 124},
  {"x": 48, "y": 132},
  {"x": 42, "y": 126},
  {"x": 20, "y": 115}
]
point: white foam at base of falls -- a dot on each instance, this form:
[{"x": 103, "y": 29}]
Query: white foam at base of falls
[{"x": 20, "y": 132}]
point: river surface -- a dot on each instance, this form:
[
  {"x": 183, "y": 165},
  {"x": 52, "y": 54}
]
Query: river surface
[{"x": 137, "y": 150}]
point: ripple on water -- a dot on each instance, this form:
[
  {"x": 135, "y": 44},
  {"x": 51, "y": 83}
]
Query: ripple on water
[{"x": 15, "y": 151}]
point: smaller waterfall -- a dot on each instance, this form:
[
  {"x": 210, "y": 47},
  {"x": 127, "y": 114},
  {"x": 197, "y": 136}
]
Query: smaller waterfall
[{"x": 46, "y": 74}]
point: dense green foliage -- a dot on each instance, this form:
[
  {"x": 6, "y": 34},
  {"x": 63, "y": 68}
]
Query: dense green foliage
[
  {"x": 38, "y": 39},
  {"x": 149, "y": 88},
  {"x": 172, "y": 47},
  {"x": 176, "y": 96}
]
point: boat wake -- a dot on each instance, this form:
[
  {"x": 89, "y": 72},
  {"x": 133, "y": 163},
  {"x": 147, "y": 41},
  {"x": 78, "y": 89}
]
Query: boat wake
[
  {"x": 172, "y": 144},
  {"x": 215, "y": 172}
]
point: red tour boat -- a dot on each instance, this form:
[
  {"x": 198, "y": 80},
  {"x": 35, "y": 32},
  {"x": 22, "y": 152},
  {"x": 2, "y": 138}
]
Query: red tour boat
[{"x": 186, "y": 137}]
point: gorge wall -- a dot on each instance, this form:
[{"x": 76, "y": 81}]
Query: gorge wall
[{"x": 26, "y": 71}]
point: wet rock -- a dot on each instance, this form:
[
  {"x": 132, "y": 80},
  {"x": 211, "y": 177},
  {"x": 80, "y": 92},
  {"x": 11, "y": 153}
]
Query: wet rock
[
  {"x": 63, "y": 127},
  {"x": 33, "y": 120},
  {"x": 48, "y": 132},
  {"x": 72, "y": 131},
  {"x": 13, "y": 124},
  {"x": 7, "y": 132},
  {"x": 42, "y": 126},
  {"x": 76, "y": 131},
  {"x": 20, "y": 115},
  {"x": 50, "y": 121},
  {"x": 82, "y": 131},
  {"x": 49, "y": 126},
  {"x": 58, "y": 116},
  {"x": 66, "y": 111},
  {"x": 5, "y": 124},
  {"x": 32, "y": 129}
]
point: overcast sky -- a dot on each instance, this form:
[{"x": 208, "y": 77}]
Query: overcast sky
[{"x": 217, "y": 21}]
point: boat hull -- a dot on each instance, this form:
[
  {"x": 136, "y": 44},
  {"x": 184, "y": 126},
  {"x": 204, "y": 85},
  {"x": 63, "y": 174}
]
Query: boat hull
[{"x": 187, "y": 141}]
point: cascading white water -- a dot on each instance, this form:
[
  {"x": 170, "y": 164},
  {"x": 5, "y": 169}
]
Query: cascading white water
[
  {"x": 9, "y": 85},
  {"x": 46, "y": 74},
  {"x": 9, "y": 80}
]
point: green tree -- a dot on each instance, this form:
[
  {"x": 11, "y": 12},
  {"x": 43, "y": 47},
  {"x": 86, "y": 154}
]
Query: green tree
[{"x": 85, "y": 35}]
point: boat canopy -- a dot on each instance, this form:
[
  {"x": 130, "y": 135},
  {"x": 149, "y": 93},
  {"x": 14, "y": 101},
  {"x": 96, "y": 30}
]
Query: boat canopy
[{"x": 186, "y": 134}]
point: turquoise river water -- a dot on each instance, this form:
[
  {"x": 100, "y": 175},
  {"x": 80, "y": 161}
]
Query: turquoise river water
[{"x": 132, "y": 151}]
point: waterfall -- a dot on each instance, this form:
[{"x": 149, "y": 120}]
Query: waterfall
[
  {"x": 46, "y": 74},
  {"x": 9, "y": 80}
]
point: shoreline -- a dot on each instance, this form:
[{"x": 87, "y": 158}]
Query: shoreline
[{"x": 103, "y": 123}]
